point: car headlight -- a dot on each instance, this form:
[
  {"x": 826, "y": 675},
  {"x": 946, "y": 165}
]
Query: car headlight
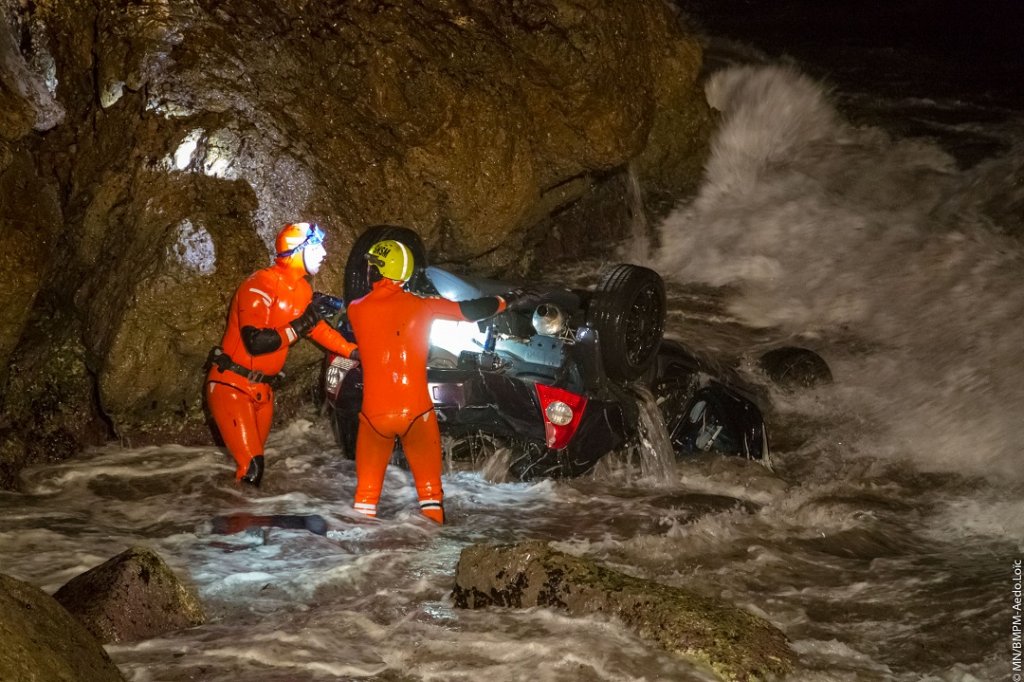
[
  {"x": 558, "y": 413},
  {"x": 548, "y": 319}
]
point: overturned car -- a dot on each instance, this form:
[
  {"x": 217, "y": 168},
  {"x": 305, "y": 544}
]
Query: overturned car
[{"x": 561, "y": 384}]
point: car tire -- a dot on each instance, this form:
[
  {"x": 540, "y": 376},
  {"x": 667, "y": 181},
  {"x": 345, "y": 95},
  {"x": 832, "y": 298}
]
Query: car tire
[
  {"x": 791, "y": 367},
  {"x": 628, "y": 311},
  {"x": 357, "y": 284}
]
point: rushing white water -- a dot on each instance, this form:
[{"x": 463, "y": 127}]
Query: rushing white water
[
  {"x": 882, "y": 545},
  {"x": 876, "y": 248}
]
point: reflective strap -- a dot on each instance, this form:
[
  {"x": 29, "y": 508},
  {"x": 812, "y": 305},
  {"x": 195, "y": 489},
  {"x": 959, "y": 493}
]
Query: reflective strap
[
  {"x": 364, "y": 508},
  {"x": 430, "y": 504}
]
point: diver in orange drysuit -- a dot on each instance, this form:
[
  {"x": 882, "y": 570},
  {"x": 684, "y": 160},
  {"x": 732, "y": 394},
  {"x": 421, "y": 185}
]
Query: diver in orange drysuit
[
  {"x": 392, "y": 328},
  {"x": 271, "y": 310}
]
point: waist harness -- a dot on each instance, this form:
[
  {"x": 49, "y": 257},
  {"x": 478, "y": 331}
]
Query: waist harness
[{"x": 224, "y": 363}]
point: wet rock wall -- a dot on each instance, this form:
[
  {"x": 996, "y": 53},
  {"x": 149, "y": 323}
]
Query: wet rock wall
[{"x": 150, "y": 149}]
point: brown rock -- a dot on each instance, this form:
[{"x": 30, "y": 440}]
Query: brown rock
[
  {"x": 131, "y": 597},
  {"x": 41, "y": 642},
  {"x": 735, "y": 644},
  {"x": 29, "y": 207},
  {"x": 49, "y": 412}
]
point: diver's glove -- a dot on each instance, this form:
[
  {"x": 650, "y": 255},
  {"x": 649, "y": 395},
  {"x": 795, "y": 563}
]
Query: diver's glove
[
  {"x": 521, "y": 298},
  {"x": 304, "y": 323}
]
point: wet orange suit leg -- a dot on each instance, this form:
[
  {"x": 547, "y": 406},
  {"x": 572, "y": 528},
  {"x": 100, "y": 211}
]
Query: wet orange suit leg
[
  {"x": 242, "y": 419},
  {"x": 422, "y": 446},
  {"x": 421, "y": 442}
]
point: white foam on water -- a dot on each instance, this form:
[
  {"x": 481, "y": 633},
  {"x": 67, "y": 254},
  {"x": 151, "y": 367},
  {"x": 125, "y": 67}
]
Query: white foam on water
[{"x": 858, "y": 239}]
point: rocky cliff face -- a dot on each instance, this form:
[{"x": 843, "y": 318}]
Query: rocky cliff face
[{"x": 150, "y": 149}]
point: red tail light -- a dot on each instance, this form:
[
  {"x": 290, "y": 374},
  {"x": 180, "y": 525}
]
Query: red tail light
[{"x": 558, "y": 435}]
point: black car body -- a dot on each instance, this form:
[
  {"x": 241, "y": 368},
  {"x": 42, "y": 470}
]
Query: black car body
[{"x": 562, "y": 383}]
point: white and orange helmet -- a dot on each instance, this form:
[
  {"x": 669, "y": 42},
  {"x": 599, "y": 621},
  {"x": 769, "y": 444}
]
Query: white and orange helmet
[{"x": 300, "y": 246}]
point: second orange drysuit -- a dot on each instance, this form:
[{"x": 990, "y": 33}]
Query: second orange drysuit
[
  {"x": 392, "y": 328},
  {"x": 256, "y": 342}
]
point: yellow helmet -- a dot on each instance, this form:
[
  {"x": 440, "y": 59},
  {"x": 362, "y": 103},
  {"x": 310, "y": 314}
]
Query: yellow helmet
[{"x": 393, "y": 259}]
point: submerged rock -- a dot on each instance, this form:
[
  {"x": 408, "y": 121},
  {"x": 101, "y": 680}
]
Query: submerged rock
[
  {"x": 131, "y": 597},
  {"x": 39, "y": 640},
  {"x": 735, "y": 644}
]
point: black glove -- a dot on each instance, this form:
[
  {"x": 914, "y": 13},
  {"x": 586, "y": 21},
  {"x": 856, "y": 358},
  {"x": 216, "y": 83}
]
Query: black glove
[
  {"x": 354, "y": 355},
  {"x": 326, "y": 304},
  {"x": 304, "y": 323},
  {"x": 521, "y": 298}
]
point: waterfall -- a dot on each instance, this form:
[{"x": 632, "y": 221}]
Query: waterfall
[
  {"x": 657, "y": 458},
  {"x": 639, "y": 250}
]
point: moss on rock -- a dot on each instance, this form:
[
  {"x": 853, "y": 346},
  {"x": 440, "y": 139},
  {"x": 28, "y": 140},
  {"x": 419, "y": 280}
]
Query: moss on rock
[{"x": 735, "y": 644}]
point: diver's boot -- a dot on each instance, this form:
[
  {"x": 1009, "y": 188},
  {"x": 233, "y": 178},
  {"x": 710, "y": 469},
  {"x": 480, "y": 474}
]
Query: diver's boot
[
  {"x": 433, "y": 510},
  {"x": 254, "y": 474}
]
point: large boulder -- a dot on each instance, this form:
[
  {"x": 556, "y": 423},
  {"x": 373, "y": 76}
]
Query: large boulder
[
  {"x": 180, "y": 135},
  {"x": 131, "y": 597},
  {"x": 41, "y": 642},
  {"x": 735, "y": 644}
]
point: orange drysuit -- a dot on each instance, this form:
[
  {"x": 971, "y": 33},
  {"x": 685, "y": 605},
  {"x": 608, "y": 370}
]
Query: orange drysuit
[
  {"x": 257, "y": 339},
  {"x": 392, "y": 328}
]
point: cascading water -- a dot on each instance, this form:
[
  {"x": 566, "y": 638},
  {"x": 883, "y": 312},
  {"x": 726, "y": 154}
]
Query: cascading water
[
  {"x": 654, "y": 449},
  {"x": 639, "y": 248},
  {"x": 847, "y": 235}
]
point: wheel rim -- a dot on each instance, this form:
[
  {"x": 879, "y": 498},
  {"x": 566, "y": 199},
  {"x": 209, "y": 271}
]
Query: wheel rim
[{"x": 643, "y": 326}]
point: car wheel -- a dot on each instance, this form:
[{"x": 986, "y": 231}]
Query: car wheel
[
  {"x": 794, "y": 368},
  {"x": 357, "y": 283},
  {"x": 628, "y": 312}
]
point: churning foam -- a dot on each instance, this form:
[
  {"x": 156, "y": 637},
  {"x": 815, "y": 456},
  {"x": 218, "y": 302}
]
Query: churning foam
[{"x": 872, "y": 242}]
